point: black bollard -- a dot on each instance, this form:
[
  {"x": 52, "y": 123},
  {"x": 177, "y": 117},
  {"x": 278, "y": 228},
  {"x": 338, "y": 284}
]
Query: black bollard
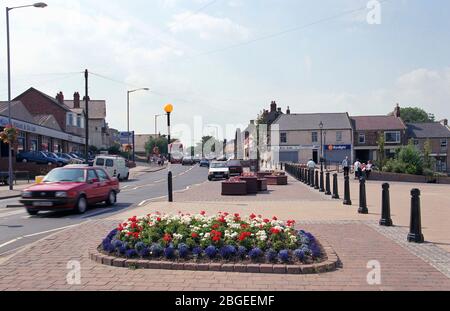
[
  {"x": 170, "y": 187},
  {"x": 316, "y": 180},
  {"x": 322, "y": 183},
  {"x": 415, "y": 233},
  {"x": 305, "y": 176},
  {"x": 362, "y": 197},
  {"x": 311, "y": 178},
  {"x": 335, "y": 187},
  {"x": 386, "y": 219},
  {"x": 347, "y": 199},
  {"x": 328, "y": 184}
]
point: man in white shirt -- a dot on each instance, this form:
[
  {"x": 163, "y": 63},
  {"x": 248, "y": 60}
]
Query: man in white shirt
[
  {"x": 346, "y": 166},
  {"x": 357, "y": 166},
  {"x": 311, "y": 164}
]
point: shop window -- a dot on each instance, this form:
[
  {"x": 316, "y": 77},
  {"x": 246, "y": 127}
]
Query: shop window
[
  {"x": 21, "y": 142},
  {"x": 34, "y": 145}
]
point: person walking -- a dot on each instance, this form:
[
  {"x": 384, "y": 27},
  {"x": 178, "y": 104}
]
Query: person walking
[
  {"x": 357, "y": 167},
  {"x": 311, "y": 165},
  {"x": 369, "y": 168},
  {"x": 346, "y": 166}
]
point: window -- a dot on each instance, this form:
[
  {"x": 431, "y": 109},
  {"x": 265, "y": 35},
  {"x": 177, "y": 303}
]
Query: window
[
  {"x": 339, "y": 136},
  {"x": 392, "y": 137},
  {"x": 315, "y": 137},
  {"x": 109, "y": 163},
  {"x": 102, "y": 175},
  {"x": 283, "y": 138},
  {"x": 70, "y": 119},
  {"x": 444, "y": 144},
  {"x": 362, "y": 138},
  {"x": 100, "y": 162},
  {"x": 21, "y": 142},
  {"x": 416, "y": 142},
  {"x": 92, "y": 175},
  {"x": 78, "y": 121}
]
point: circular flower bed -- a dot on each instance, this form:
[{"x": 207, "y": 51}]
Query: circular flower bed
[{"x": 223, "y": 237}]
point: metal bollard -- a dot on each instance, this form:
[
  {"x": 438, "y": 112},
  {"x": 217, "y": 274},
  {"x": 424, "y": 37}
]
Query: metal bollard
[
  {"x": 347, "y": 199},
  {"x": 335, "y": 187},
  {"x": 328, "y": 184},
  {"x": 170, "y": 186},
  {"x": 362, "y": 197},
  {"x": 313, "y": 179},
  {"x": 305, "y": 176},
  {"x": 316, "y": 180},
  {"x": 386, "y": 219},
  {"x": 322, "y": 182},
  {"x": 415, "y": 233}
]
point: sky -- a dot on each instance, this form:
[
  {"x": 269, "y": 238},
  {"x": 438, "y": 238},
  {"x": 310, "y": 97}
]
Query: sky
[{"x": 226, "y": 60}]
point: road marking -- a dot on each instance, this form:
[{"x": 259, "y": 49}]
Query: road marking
[
  {"x": 149, "y": 200},
  {"x": 35, "y": 234},
  {"x": 13, "y": 213}
]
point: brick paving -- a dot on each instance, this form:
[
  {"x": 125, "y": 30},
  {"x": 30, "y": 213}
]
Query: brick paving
[{"x": 43, "y": 266}]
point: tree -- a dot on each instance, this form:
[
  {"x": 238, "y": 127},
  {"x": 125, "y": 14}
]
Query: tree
[
  {"x": 114, "y": 150},
  {"x": 381, "y": 152},
  {"x": 429, "y": 162},
  {"x": 416, "y": 115},
  {"x": 159, "y": 142}
]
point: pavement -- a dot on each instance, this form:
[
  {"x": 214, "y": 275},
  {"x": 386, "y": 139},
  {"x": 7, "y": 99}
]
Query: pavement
[{"x": 357, "y": 239}]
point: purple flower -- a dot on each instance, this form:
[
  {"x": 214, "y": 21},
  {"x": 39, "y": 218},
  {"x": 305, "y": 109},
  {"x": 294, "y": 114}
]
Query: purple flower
[
  {"x": 197, "y": 251},
  {"x": 227, "y": 251},
  {"x": 284, "y": 255},
  {"x": 156, "y": 250},
  {"x": 145, "y": 252},
  {"x": 112, "y": 234},
  {"x": 169, "y": 252},
  {"x": 271, "y": 255},
  {"x": 116, "y": 243},
  {"x": 211, "y": 252},
  {"x": 123, "y": 248},
  {"x": 108, "y": 247},
  {"x": 299, "y": 254},
  {"x": 183, "y": 250},
  {"x": 131, "y": 253},
  {"x": 139, "y": 246},
  {"x": 242, "y": 252},
  {"x": 315, "y": 251},
  {"x": 255, "y": 253}
]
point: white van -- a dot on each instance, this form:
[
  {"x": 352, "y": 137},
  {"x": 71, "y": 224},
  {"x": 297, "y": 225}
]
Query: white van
[{"x": 115, "y": 166}]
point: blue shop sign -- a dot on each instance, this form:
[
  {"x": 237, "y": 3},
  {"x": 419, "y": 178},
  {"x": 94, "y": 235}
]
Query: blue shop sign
[{"x": 337, "y": 147}]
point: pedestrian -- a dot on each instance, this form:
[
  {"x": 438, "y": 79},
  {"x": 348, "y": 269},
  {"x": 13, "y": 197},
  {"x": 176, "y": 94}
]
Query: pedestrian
[
  {"x": 369, "y": 168},
  {"x": 346, "y": 166},
  {"x": 357, "y": 167},
  {"x": 311, "y": 165}
]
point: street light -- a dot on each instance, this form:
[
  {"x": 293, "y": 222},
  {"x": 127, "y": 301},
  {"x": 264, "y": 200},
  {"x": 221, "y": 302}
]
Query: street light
[
  {"x": 169, "y": 109},
  {"x": 128, "y": 116},
  {"x": 36, "y": 5},
  {"x": 156, "y": 123}
]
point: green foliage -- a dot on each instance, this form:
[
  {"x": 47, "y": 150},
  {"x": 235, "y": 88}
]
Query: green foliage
[
  {"x": 114, "y": 150},
  {"x": 381, "y": 152},
  {"x": 415, "y": 115},
  {"x": 160, "y": 142}
]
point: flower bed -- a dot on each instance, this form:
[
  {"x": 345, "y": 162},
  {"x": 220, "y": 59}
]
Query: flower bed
[
  {"x": 252, "y": 182},
  {"x": 277, "y": 180},
  {"x": 220, "y": 238},
  {"x": 234, "y": 186}
]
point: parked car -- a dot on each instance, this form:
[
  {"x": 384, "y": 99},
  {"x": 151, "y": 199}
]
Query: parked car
[
  {"x": 218, "y": 170},
  {"x": 115, "y": 166},
  {"x": 235, "y": 167},
  {"x": 61, "y": 161},
  {"x": 197, "y": 159},
  {"x": 204, "y": 163},
  {"x": 73, "y": 187},
  {"x": 70, "y": 158},
  {"x": 187, "y": 161},
  {"x": 37, "y": 157}
]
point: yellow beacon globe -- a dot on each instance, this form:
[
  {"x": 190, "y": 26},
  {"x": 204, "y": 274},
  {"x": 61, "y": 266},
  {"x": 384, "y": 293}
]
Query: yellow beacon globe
[{"x": 168, "y": 108}]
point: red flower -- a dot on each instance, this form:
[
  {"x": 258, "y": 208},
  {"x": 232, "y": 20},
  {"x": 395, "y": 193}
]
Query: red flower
[
  {"x": 237, "y": 215},
  {"x": 167, "y": 238},
  {"x": 252, "y": 216},
  {"x": 203, "y": 213},
  {"x": 244, "y": 226},
  {"x": 275, "y": 231},
  {"x": 158, "y": 219},
  {"x": 244, "y": 235},
  {"x": 290, "y": 223},
  {"x": 194, "y": 235},
  {"x": 221, "y": 219},
  {"x": 275, "y": 218},
  {"x": 266, "y": 221},
  {"x": 216, "y": 226}
]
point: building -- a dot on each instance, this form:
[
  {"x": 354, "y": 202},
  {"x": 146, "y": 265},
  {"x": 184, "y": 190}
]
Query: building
[
  {"x": 369, "y": 129},
  {"x": 98, "y": 128},
  {"x": 140, "y": 140},
  {"x": 438, "y": 136},
  {"x": 301, "y": 137}
]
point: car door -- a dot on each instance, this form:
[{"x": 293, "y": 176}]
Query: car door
[
  {"x": 105, "y": 186},
  {"x": 93, "y": 189}
]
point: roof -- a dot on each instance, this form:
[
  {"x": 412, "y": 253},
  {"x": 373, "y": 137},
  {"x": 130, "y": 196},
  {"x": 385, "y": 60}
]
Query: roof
[
  {"x": 47, "y": 121},
  {"x": 54, "y": 100},
  {"x": 97, "y": 108},
  {"x": 331, "y": 121},
  {"x": 428, "y": 130},
  {"x": 18, "y": 111},
  {"x": 77, "y": 111},
  {"x": 372, "y": 123}
]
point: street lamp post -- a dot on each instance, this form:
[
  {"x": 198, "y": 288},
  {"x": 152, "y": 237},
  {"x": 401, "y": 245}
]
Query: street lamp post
[
  {"x": 128, "y": 117},
  {"x": 169, "y": 109},
  {"x": 36, "y": 5},
  {"x": 321, "y": 146},
  {"x": 156, "y": 123}
]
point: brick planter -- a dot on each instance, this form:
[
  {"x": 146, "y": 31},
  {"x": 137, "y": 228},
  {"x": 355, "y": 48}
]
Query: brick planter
[
  {"x": 264, "y": 174},
  {"x": 252, "y": 184},
  {"x": 277, "y": 180},
  {"x": 262, "y": 185},
  {"x": 234, "y": 188},
  {"x": 329, "y": 263}
]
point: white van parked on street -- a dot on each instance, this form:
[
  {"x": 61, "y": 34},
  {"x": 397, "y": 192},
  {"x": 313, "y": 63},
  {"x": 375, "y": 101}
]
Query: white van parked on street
[{"x": 115, "y": 166}]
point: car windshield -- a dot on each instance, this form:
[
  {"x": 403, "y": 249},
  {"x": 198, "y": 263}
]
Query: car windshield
[
  {"x": 218, "y": 165},
  {"x": 65, "y": 175}
]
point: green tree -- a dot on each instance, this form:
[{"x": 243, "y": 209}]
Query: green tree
[
  {"x": 416, "y": 115},
  {"x": 381, "y": 152},
  {"x": 114, "y": 150},
  {"x": 429, "y": 163},
  {"x": 160, "y": 142}
]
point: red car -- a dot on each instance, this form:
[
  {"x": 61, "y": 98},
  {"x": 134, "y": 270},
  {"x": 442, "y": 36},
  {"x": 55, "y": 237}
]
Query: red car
[{"x": 71, "y": 188}]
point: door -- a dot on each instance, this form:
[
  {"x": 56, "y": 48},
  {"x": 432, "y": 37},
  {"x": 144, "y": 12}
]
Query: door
[
  {"x": 105, "y": 186},
  {"x": 93, "y": 191},
  {"x": 316, "y": 156}
]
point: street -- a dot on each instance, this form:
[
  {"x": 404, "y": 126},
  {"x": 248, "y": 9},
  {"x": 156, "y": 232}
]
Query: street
[{"x": 18, "y": 229}]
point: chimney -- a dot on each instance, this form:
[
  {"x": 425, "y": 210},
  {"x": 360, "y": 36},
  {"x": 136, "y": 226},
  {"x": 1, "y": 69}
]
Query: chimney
[
  {"x": 444, "y": 122},
  {"x": 273, "y": 106},
  {"x": 288, "y": 111},
  {"x": 76, "y": 100},
  {"x": 279, "y": 110},
  {"x": 60, "y": 98},
  {"x": 397, "y": 113},
  {"x": 84, "y": 98}
]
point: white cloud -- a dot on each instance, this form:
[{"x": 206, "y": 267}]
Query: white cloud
[{"x": 208, "y": 27}]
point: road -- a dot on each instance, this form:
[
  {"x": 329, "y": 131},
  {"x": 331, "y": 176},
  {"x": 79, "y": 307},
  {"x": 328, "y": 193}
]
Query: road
[{"x": 18, "y": 229}]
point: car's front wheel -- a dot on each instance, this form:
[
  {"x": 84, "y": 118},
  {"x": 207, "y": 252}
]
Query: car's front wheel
[
  {"x": 112, "y": 199},
  {"x": 81, "y": 205}
]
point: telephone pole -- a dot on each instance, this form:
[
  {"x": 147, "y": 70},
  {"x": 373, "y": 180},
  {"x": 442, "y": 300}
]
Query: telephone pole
[{"x": 86, "y": 113}]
